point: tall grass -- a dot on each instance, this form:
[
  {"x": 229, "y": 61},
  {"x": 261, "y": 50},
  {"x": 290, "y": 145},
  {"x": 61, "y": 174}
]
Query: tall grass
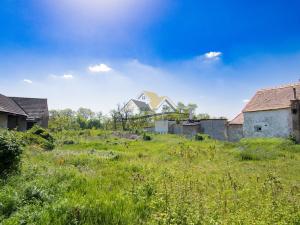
[{"x": 101, "y": 179}]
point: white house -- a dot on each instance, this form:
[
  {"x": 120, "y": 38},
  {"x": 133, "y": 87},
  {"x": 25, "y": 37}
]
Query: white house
[
  {"x": 273, "y": 112},
  {"x": 150, "y": 102}
]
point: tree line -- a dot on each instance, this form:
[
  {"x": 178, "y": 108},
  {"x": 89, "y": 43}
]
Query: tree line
[{"x": 120, "y": 118}]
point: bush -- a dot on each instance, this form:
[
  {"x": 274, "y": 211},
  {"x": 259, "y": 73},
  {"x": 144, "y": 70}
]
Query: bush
[
  {"x": 201, "y": 137},
  {"x": 69, "y": 142},
  {"x": 39, "y": 136},
  {"x": 37, "y": 130},
  {"x": 10, "y": 153},
  {"x": 147, "y": 137}
]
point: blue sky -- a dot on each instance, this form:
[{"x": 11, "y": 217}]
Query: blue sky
[{"x": 97, "y": 53}]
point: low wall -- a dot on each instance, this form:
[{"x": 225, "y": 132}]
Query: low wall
[
  {"x": 217, "y": 129},
  {"x": 235, "y": 132}
]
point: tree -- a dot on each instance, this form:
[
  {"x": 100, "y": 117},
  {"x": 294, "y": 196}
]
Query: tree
[
  {"x": 192, "y": 108},
  {"x": 114, "y": 116},
  {"x": 85, "y": 113},
  {"x": 203, "y": 116},
  {"x": 180, "y": 107},
  {"x": 124, "y": 113}
]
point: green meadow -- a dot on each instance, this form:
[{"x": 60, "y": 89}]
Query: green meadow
[{"x": 96, "y": 177}]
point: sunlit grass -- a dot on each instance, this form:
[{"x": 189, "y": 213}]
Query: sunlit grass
[{"x": 102, "y": 179}]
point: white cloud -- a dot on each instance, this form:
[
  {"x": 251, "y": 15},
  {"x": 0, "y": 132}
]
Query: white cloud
[
  {"x": 246, "y": 100},
  {"x": 28, "y": 81},
  {"x": 68, "y": 76},
  {"x": 65, "y": 76},
  {"x": 100, "y": 68},
  {"x": 213, "y": 55}
]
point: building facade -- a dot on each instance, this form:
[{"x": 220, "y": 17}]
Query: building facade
[
  {"x": 273, "y": 112},
  {"x": 23, "y": 113}
]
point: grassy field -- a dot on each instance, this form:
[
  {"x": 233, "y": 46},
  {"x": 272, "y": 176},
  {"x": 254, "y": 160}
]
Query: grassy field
[{"x": 99, "y": 178}]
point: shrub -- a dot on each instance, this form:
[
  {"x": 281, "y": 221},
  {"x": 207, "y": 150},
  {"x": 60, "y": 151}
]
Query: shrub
[
  {"x": 39, "y": 136},
  {"x": 69, "y": 142},
  {"x": 201, "y": 137},
  {"x": 10, "y": 152},
  {"x": 43, "y": 133},
  {"x": 147, "y": 137}
]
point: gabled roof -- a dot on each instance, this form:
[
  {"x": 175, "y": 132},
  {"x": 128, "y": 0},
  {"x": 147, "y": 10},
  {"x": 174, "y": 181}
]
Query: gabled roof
[
  {"x": 7, "y": 105},
  {"x": 35, "y": 108},
  {"x": 155, "y": 100},
  {"x": 273, "y": 98},
  {"x": 142, "y": 105},
  {"x": 238, "y": 120}
]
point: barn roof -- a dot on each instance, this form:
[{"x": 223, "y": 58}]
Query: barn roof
[
  {"x": 238, "y": 120},
  {"x": 273, "y": 98},
  {"x": 7, "y": 105},
  {"x": 36, "y": 108},
  {"x": 142, "y": 105}
]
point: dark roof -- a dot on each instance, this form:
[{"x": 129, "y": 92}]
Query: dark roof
[
  {"x": 238, "y": 120},
  {"x": 273, "y": 98},
  {"x": 36, "y": 108},
  {"x": 142, "y": 105},
  {"x": 7, "y": 105}
]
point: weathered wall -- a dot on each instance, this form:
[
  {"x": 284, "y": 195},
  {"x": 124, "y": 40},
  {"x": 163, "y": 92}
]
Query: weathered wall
[
  {"x": 22, "y": 124},
  {"x": 162, "y": 126},
  {"x": 175, "y": 129},
  {"x": 217, "y": 129},
  {"x": 235, "y": 132},
  {"x": 3, "y": 120},
  {"x": 191, "y": 131},
  {"x": 272, "y": 123},
  {"x": 295, "y": 109}
]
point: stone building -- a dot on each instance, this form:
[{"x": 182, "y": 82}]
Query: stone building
[
  {"x": 273, "y": 112},
  {"x": 23, "y": 113}
]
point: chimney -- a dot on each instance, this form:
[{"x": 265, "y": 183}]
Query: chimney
[{"x": 295, "y": 93}]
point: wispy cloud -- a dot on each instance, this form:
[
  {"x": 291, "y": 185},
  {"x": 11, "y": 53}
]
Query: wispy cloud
[
  {"x": 100, "y": 68},
  {"x": 64, "y": 77},
  {"x": 68, "y": 76},
  {"x": 213, "y": 55},
  {"x": 246, "y": 100},
  {"x": 28, "y": 81}
]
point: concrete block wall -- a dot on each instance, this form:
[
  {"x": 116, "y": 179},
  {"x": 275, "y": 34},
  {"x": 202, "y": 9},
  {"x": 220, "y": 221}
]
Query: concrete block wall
[
  {"x": 235, "y": 132},
  {"x": 217, "y": 129}
]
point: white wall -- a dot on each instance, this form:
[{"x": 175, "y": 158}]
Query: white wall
[
  {"x": 164, "y": 103},
  {"x": 3, "y": 120},
  {"x": 133, "y": 107},
  {"x": 273, "y": 123}
]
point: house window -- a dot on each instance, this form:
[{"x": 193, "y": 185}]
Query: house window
[
  {"x": 258, "y": 128},
  {"x": 294, "y": 111}
]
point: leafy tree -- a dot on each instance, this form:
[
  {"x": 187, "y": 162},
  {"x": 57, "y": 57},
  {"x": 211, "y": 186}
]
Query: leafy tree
[
  {"x": 85, "y": 113},
  {"x": 181, "y": 107},
  {"x": 203, "y": 116}
]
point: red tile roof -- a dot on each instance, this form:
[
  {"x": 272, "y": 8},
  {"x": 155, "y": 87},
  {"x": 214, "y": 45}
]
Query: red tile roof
[
  {"x": 238, "y": 120},
  {"x": 273, "y": 98}
]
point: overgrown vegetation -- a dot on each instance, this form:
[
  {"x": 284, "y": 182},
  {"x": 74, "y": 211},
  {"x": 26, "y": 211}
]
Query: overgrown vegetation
[
  {"x": 100, "y": 177},
  {"x": 10, "y": 153},
  {"x": 40, "y": 137}
]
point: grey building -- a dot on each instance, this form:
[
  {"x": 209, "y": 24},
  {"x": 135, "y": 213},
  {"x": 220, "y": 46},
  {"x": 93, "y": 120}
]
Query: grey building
[
  {"x": 235, "y": 128},
  {"x": 23, "y": 113},
  {"x": 273, "y": 112}
]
